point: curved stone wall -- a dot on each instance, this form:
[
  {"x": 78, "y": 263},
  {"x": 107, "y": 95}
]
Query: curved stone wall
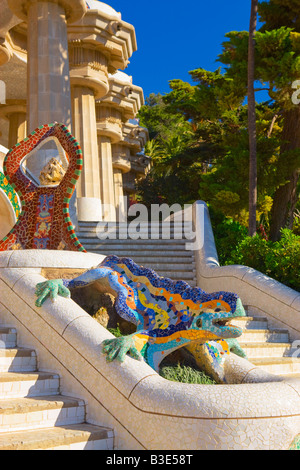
[
  {"x": 145, "y": 410},
  {"x": 262, "y": 294}
]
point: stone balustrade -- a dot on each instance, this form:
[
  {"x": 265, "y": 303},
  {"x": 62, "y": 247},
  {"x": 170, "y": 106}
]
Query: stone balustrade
[{"x": 145, "y": 410}]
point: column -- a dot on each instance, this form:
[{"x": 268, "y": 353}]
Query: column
[
  {"x": 15, "y": 112},
  {"x": 121, "y": 165},
  {"x": 49, "y": 93},
  {"x": 119, "y": 195},
  {"x": 107, "y": 178},
  {"x": 48, "y": 78},
  {"x": 109, "y": 128},
  {"x": 85, "y": 131},
  {"x": 89, "y": 81},
  {"x": 17, "y": 128}
]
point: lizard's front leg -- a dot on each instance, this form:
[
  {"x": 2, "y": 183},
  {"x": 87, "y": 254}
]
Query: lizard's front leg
[
  {"x": 117, "y": 348},
  {"x": 55, "y": 287},
  {"x": 51, "y": 289}
]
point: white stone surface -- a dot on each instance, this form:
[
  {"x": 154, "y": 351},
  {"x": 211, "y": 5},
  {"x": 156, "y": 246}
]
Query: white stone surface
[
  {"x": 271, "y": 299},
  {"x": 145, "y": 410},
  {"x": 89, "y": 209},
  {"x": 103, "y": 7},
  {"x": 121, "y": 77},
  {"x": 49, "y": 258}
]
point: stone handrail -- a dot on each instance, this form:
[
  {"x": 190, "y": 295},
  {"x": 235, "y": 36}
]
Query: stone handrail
[
  {"x": 261, "y": 294},
  {"x": 145, "y": 410}
]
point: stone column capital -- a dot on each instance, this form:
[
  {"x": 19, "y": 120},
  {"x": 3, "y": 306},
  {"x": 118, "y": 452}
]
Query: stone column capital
[
  {"x": 121, "y": 163},
  {"x": 74, "y": 9},
  {"x": 5, "y": 51},
  {"x": 109, "y": 122},
  {"x": 12, "y": 107},
  {"x": 88, "y": 67}
]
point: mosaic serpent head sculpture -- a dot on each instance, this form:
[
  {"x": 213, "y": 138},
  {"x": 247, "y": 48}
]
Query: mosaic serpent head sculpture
[
  {"x": 168, "y": 314},
  {"x": 44, "y": 222}
]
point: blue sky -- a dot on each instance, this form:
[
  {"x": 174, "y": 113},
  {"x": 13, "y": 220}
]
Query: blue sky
[{"x": 175, "y": 37}]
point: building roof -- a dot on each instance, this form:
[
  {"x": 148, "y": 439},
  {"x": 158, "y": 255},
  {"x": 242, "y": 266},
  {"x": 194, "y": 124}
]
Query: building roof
[
  {"x": 121, "y": 76},
  {"x": 95, "y": 5}
]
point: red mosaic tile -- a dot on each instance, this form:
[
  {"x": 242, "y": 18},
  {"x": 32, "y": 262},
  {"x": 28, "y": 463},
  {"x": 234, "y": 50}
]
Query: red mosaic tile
[{"x": 44, "y": 222}]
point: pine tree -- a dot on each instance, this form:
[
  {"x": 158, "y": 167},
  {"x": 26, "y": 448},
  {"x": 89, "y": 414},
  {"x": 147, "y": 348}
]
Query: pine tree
[
  {"x": 277, "y": 67},
  {"x": 252, "y": 121},
  {"x": 277, "y": 14}
]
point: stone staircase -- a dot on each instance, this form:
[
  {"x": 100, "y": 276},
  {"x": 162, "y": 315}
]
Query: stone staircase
[
  {"x": 269, "y": 348},
  {"x": 161, "y": 246},
  {"x": 33, "y": 413}
]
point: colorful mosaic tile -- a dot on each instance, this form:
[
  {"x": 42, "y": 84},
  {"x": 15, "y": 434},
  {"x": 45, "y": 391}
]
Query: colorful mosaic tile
[
  {"x": 296, "y": 443},
  {"x": 44, "y": 222},
  {"x": 168, "y": 314},
  {"x": 10, "y": 193}
]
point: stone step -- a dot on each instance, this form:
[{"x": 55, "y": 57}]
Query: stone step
[
  {"x": 70, "y": 437},
  {"x": 133, "y": 226},
  {"x": 87, "y": 237},
  {"x": 43, "y": 412},
  {"x": 184, "y": 229},
  {"x": 278, "y": 365},
  {"x": 267, "y": 349},
  {"x": 28, "y": 384},
  {"x": 289, "y": 377},
  {"x": 264, "y": 335},
  {"x": 138, "y": 244},
  {"x": 33, "y": 414},
  {"x": 134, "y": 252},
  {"x": 17, "y": 360},
  {"x": 174, "y": 275},
  {"x": 152, "y": 260},
  {"x": 8, "y": 337},
  {"x": 185, "y": 223},
  {"x": 251, "y": 323},
  {"x": 177, "y": 268},
  {"x": 144, "y": 254}
]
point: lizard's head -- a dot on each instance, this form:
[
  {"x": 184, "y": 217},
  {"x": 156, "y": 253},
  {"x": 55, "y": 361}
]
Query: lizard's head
[{"x": 215, "y": 320}]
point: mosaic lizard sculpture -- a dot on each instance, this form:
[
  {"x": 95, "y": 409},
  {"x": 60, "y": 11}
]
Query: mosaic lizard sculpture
[{"x": 168, "y": 314}]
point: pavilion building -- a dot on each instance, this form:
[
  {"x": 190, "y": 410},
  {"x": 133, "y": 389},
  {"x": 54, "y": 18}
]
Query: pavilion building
[{"x": 64, "y": 61}]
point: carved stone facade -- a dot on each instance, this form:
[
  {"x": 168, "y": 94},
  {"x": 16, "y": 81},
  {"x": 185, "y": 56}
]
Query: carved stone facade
[{"x": 62, "y": 61}]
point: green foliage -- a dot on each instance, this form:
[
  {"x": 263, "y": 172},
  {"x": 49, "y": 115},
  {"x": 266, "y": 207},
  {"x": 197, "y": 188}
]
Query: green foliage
[
  {"x": 160, "y": 123},
  {"x": 276, "y": 13},
  {"x": 252, "y": 252},
  {"x": 171, "y": 189},
  {"x": 174, "y": 168},
  {"x": 176, "y": 373},
  {"x": 199, "y": 131},
  {"x": 276, "y": 58},
  {"x": 185, "y": 374},
  {"x": 228, "y": 234},
  {"x": 279, "y": 260},
  {"x": 115, "y": 331}
]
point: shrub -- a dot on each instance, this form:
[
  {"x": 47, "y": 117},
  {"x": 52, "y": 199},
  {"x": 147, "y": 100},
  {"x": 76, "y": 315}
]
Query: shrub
[
  {"x": 228, "y": 234},
  {"x": 176, "y": 373},
  {"x": 252, "y": 252},
  {"x": 115, "y": 331},
  {"x": 185, "y": 374},
  {"x": 279, "y": 260},
  {"x": 283, "y": 261}
]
